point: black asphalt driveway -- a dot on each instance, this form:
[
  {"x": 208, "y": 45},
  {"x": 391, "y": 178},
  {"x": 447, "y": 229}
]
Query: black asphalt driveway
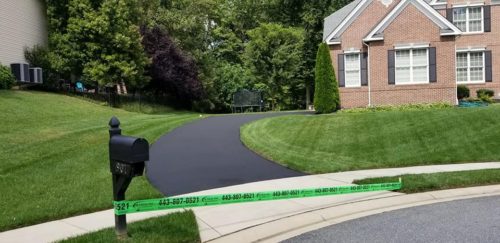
[
  {"x": 208, "y": 154},
  {"x": 469, "y": 220}
]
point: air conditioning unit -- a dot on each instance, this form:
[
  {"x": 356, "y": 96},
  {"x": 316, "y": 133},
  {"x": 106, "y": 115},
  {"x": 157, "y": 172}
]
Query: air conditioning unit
[
  {"x": 36, "y": 75},
  {"x": 21, "y": 71}
]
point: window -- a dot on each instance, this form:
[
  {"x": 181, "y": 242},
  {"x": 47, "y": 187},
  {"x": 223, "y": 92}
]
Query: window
[
  {"x": 352, "y": 70},
  {"x": 470, "y": 67},
  {"x": 468, "y": 19},
  {"x": 412, "y": 66}
]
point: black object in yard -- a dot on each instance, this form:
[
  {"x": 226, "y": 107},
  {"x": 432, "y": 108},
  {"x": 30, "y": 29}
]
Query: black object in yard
[
  {"x": 21, "y": 72},
  {"x": 247, "y": 99},
  {"x": 127, "y": 156},
  {"x": 36, "y": 75}
]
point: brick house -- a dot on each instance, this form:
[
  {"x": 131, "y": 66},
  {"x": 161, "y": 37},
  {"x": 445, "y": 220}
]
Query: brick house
[{"x": 390, "y": 52}]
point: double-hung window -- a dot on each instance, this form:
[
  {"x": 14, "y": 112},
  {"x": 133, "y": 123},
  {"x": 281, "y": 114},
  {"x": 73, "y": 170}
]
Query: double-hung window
[
  {"x": 470, "y": 67},
  {"x": 469, "y": 19},
  {"x": 352, "y": 70},
  {"x": 412, "y": 66}
]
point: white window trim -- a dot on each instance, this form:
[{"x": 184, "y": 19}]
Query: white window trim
[
  {"x": 467, "y": 20},
  {"x": 352, "y": 51},
  {"x": 359, "y": 70},
  {"x": 469, "y": 68},
  {"x": 471, "y": 49},
  {"x": 467, "y": 5},
  {"x": 411, "y": 67},
  {"x": 411, "y": 46}
]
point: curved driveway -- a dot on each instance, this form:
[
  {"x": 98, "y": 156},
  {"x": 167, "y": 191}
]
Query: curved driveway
[
  {"x": 469, "y": 220},
  {"x": 208, "y": 154}
]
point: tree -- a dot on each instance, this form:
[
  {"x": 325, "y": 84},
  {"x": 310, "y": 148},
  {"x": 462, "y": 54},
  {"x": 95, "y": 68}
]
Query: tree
[
  {"x": 229, "y": 78},
  {"x": 172, "y": 72},
  {"x": 326, "y": 99},
  {"x": 189, "y": 23},
  {"x": 98, "y": 40},
  {"x": 111, "y": 43},
  {"x": 313, "y": 15},
  {"x": 273, "y": 55}
]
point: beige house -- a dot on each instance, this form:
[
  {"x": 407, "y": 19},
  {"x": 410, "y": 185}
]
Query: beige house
[
  {"x": 23, "y": 23},
  {"x": 389, "y": 52}
]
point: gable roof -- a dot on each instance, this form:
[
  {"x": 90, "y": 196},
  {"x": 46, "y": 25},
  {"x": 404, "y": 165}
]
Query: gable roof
[
  {"x": 337, "y": 23},
  {"x": 446, "y": 27}
]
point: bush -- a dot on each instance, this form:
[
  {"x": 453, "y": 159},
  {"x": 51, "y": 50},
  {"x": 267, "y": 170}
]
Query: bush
[
  {"x": 485, "y": 92},
  {"x": 462, "y": 92},
  {"x": 485, "y": 98},
  {"x": 407, "y": 107},
  {"x": 7, "y": 79},
  {"x": 326, "y": 94},
  {"x": 39, "y": 56}
]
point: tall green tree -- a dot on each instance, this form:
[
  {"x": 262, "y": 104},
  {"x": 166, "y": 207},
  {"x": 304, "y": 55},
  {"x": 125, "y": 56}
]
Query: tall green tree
[
  {"x": 326, "y": 99},
  {"x": 190, "y": 23},
  {"x": 308, "y": 15},
  {"x": 273, "y": 54},
  {"x": 229, "y": 78},
  {"x": 116, "y": 51},
  {"x": 313, "y": 15},
  {"x": 99, "y": 40}
]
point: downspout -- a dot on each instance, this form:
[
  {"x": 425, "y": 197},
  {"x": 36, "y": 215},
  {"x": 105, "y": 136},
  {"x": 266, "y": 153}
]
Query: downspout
[
  {"x": 455, "y": 70},
  {"x": 456, "y": 77},
  {"x": 368, "y": 75}
]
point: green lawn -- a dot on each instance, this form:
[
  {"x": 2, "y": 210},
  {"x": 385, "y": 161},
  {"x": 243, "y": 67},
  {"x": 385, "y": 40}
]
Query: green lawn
[
  {"x": 441, "y": 181},
  {"x": 54, "y": 155},
  {"x": 350, "y": 141},
  {"x": 175, "y": 228}
]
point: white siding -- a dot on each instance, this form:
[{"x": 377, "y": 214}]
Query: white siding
[{"x": 22, "y": 23}]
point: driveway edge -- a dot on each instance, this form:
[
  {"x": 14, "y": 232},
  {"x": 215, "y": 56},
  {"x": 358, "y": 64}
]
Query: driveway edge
[{"x": 288, "y": 227}]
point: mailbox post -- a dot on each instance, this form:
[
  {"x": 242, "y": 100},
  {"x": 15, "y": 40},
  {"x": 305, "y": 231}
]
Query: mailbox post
[{"x": 127, "y": 156}]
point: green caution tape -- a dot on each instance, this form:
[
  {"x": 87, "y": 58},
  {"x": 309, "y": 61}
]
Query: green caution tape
[{"x": 135, "y": 206}]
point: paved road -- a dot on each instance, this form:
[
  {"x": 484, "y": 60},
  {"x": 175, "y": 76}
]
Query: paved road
[
  {"x": 470, "y": 220},
  {"x": 208, "y": 154}
]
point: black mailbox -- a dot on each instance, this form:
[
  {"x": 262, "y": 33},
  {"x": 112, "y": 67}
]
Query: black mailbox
[{"x": 127, "y": 155}]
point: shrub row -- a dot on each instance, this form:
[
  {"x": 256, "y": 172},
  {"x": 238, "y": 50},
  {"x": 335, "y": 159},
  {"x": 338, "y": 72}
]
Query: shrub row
[
  {"x": 407, "y": 107},
  {"x": 485, "y": 95}
]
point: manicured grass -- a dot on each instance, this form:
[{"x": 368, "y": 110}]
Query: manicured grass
[
  {"x": 175, "y": 228},
  {"x": 350, "y": 141},
  {"x": 54, "y": 155},
  {"x": 146, "y": 108},
  {"x": 441, "y": 181}
]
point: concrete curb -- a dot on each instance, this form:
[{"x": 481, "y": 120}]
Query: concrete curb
[
  {"x": 282, "y": 217},
  {"x": 288, "y": 227}
]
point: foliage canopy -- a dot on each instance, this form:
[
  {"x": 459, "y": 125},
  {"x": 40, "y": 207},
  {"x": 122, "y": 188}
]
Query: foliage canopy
[{"x": 99, "y": 40}]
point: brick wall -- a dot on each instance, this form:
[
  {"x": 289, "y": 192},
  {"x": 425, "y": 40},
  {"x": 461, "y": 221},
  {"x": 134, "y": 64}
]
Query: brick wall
[
  {"x": 412, "y": 26},
  {"x": 490, "y": 40},
  {"x": 352, "y": 38}
]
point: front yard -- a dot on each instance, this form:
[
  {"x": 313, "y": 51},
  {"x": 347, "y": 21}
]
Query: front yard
[
  {"x": 351, "y": 141},
  {"x": 54, "y": 155}
]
